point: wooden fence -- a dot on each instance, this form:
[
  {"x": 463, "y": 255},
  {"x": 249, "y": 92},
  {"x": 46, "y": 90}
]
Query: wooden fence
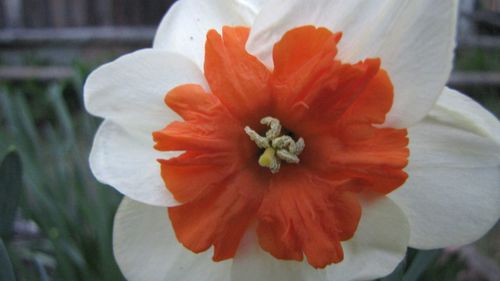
[
  {"x": 492, "y": 5},
  {"x": 77, "y": 13},
  {"x": 59, "y": 31}
]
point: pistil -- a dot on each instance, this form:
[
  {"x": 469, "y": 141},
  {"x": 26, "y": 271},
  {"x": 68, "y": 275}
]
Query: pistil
[{"x": 277, "y": 147}]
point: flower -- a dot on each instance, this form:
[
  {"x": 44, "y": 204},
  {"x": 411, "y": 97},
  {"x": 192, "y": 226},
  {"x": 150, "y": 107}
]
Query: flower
[{"x": 300, "y": 140}]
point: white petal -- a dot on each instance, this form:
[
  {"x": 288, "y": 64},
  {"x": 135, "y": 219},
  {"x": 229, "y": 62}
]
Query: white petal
[
  {"x": 452, "y": 196},
  {"x": 184, "y": 28},
  {"x": 378, "y": 245},
  {"x": 458, "y": 108},
  {"x": 145, "y": 248},
  {"x": 254, "y": 5},
  {"x": 128, "y": 162},
  {"x": 252, "y": 263},
  {"x": 414, "y": 39},
  {"x": 131, "y": 89}
]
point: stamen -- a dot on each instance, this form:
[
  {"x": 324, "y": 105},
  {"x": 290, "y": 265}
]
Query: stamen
[
  {"x": 260, "y": 141},
  {"x": 287, "y": 156},
  {"x": 277, "y": 148},
  {"x": 274, "y": 125}
]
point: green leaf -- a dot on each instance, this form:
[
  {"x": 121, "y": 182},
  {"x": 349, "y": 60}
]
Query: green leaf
[
  {"x": 6, "y": 271},
  {"x": 42, "y": 273},
  {"x": 55, "y": 94},
  {"x": 420, "y": 263},
  {"x": 10, "y": 188}
]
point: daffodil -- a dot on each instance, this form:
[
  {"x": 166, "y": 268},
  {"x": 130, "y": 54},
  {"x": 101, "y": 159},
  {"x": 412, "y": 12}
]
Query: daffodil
[{"x": 292, "y": 140}]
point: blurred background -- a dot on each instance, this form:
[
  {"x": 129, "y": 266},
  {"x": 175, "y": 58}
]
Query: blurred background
[{"x": 56, "y": 219}]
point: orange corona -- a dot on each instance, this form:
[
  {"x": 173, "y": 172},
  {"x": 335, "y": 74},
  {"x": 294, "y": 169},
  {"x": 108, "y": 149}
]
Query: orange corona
[{"x": 305, "y": 208}]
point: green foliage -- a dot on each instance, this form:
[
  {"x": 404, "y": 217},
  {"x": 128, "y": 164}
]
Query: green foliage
[
  {"x": 420, "y": 262},
  {"x": 10, "y": 188},
  {"x": 480, "y": 60},
  {"x": 446, "y": 267},
  {"x": 477, "y": 60},
  {"x": 72, "y": 213},
  {"x": 6, "y": 271}
]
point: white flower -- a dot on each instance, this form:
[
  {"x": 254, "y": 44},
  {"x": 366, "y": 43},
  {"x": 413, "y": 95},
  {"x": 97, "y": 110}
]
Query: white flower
[{"x": 451, "y": 196}]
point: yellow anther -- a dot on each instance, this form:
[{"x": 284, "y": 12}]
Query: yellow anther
[
  {"x": 268, "y": 157},
  {"x": 277, "y": 147}
]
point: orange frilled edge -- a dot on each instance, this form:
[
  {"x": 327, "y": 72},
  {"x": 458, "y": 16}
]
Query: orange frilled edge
[{"x": 305, "y": 209}]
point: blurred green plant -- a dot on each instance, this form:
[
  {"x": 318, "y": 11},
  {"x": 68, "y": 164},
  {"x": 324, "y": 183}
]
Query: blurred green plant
[
  {"x": 6, "y": 271},
  {"x": 475, "y": 59},
  {"x": 10, "y": 188},
  {"x": 68, "y": 213}
]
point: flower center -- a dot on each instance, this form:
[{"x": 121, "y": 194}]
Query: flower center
[{"x": 277, "y": 147}]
